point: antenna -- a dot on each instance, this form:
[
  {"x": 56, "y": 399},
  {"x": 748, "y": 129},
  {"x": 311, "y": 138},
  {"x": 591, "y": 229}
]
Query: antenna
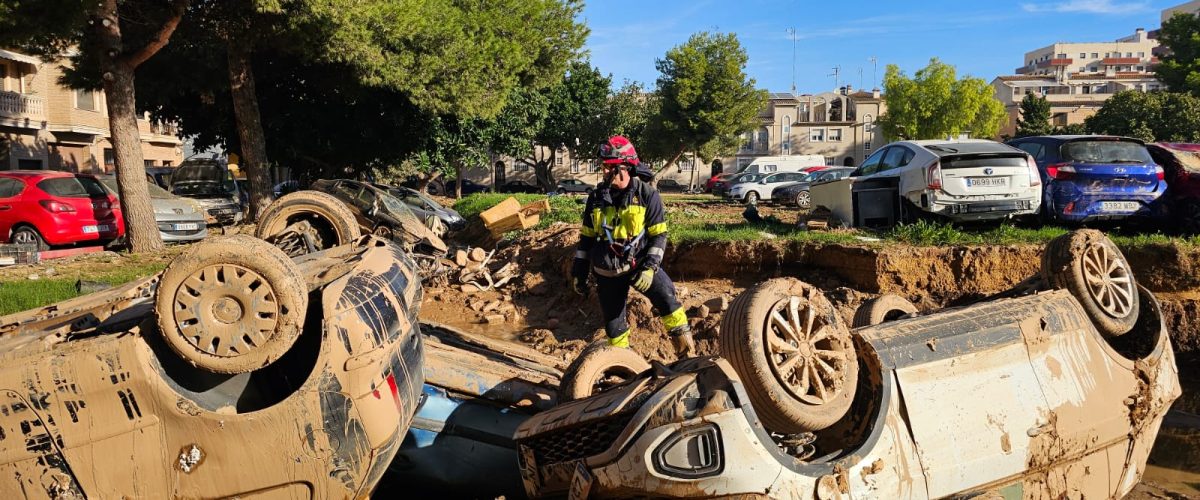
[
  {"x": 874, "y": 72},
  {"x": 792, "y": 33},
  {"x": 860, "y": 86},
  {"x": 837, "y": 77}
]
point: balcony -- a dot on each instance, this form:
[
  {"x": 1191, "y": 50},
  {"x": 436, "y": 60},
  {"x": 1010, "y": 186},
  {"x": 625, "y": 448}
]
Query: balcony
[
  {"x": 17, "y": 107},
  {"x": 1055, "y": 63},
  {"x": 1121, "y": 61}
]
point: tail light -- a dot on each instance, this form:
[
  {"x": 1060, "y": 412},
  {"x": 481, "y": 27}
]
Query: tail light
[
  {"x": 934, "y": 175},
  {"x": 1160, "y": 173},
  {"x": 1060, "y": 171},
  {"x": 1035, "y": 178},
  {"x": 56, "y": 207}
]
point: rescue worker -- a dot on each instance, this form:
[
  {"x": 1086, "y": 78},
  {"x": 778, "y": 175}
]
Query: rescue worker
[{"x": 622, "y": 242}]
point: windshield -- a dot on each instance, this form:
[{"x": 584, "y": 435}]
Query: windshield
[
  {"x": 1105, "y": 152},
  {"x": 155, "y": 191},
  {"x": 811, "y": 176},
  {"x": 396, "y": 207},
  {"x": 202, "y": 178}
]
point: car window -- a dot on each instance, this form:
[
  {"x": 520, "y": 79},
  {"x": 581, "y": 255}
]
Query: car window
[
  {"x": 10, "y": 187},
  {"x": 366, "y": 197},
  {"x": 1036, "y": 149},
  {"x": 347, "y": 190},
  {"x": 1105, "y": 151},
  {"x": 770, "y": 168},
  {"x": 871, "y": 165},
  {"x": 73, "y": 187},
  {"x": 896, "y": 157}
]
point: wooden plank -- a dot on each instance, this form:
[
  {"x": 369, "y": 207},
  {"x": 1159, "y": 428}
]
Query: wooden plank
[{"x": 502, "y": 210}]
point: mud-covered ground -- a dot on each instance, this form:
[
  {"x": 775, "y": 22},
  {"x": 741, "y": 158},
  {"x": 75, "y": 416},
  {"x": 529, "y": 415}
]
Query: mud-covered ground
[{"x": 539, "y": 309}]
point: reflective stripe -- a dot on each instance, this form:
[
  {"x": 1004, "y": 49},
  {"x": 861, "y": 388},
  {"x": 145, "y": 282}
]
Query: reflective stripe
[
  {"x": 675, "y": 319},
  {"x": 655, "y": 251},
  {"x": 587, "y": 232},
  {"x": 626, "y": 223},
  {"x": 580, "y": 254},
  {"x": 656, "y": 229},
  {"x": 613, "y": 273},
  {"x": 621, "y": 340}
]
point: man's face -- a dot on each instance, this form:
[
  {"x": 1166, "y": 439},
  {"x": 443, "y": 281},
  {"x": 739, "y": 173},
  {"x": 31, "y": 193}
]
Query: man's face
[{"x": 616, "y": 176}]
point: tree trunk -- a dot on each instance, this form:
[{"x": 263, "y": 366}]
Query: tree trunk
[
  {"x": 544, "y": 171},
  {"x": 117, "y": 74},
  {"x": 458, "y": 178},
  {"x": 249, "y": 126}
]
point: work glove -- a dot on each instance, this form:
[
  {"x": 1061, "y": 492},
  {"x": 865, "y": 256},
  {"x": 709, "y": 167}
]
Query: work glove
[
  {"x": 644, "y": 279},
  {"x": 579, "y": 276}
]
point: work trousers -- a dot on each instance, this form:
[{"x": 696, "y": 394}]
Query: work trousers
[{"x": 614, "y": 297}]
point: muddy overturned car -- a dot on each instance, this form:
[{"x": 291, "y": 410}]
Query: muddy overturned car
[
  {"x": 1054, "y": 389},
  {"x": 235, "y": 371}
]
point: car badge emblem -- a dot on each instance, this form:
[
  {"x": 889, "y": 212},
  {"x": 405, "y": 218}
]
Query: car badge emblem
[
  {"x": 987, "y": 171},
  {"x": 178, "y": 211}
]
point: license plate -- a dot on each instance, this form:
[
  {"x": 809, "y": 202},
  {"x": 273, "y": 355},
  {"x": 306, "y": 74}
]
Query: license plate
[
  {"x": 1120, "y": 206},
  {"x": 987, "y": 181},
  {"x": 104, "y": 228},
  {"x": 190, "y": 226},
  {"x": 91, "y": 229},
  {"x": 581, "y": 483}
]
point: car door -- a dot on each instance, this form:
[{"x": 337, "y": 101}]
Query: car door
[
  {"x": 871, "y": 165},
  {"x": 10, "y": 197},
  {"x": 782, "y": 180},
  {"x": 894, "y": 161},
  {"x": 1040, "y": 154}
]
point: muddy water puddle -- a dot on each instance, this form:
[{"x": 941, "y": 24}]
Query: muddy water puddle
[{"x": 1175, "y": 461}]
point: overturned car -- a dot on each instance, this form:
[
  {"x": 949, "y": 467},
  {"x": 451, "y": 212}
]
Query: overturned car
[
  {"x": 237, "y": 371},
  {"x": 1054, "y": 389}
]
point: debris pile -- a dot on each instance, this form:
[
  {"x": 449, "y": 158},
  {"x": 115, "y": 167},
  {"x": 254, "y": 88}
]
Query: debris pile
[{"x": 473, "y": 274}]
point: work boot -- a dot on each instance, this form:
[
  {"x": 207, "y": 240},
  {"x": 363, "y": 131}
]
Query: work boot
[{"x": 681, "y": 338}]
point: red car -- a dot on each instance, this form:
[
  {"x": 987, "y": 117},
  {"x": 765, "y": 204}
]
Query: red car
[
  {"x": 45, "y": 207},
  {"x": 1181, "y": 163}
]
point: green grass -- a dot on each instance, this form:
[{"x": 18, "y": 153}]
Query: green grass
[
  {"x": 937, "y": 233},
  {"x": 20, "y": 295},
  {"x": 562, "y": 208}
]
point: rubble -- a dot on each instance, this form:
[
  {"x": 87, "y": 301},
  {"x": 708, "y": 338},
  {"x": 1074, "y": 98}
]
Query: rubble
[{"x": 717, "y": 304}]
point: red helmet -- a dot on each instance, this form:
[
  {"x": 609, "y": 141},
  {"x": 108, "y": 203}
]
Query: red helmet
[{"x": 617, "y": 150}]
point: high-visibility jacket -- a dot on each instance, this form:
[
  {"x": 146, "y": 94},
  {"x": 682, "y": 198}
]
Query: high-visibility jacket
[{"x": 623, "y": 230}]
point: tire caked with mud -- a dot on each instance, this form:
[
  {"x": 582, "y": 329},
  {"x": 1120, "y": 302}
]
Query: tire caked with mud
[
  {"x": 1090, "y": 266},
  {"x": 599, "y": 367},
  {"x": 307, "y": 220},
  {"x": 231, "y": 305},
  {"x": 881, "y": 309},
  {"x": 793, "y": 353}
]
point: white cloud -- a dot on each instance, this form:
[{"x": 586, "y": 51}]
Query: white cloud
[{"x": 1088, "y": 7}]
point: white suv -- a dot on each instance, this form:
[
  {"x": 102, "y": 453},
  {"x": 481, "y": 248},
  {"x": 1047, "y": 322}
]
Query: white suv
[{"x": 964, "y": 180}]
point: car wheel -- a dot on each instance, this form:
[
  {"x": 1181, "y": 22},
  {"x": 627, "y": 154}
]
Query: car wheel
[
  {"x": 795, "y": 355},
  {"x": 803, "y": 199},
  {"x": 307, "y": 221},
  {"x": 26, "y": 235},
  {"x": 1088, "y": 264},
  {"x": 881, "y": 309},
  {"x": 599, "y": 367},
  {"x": 231, "y": 305},
  {"x": 752, "y": 197}
]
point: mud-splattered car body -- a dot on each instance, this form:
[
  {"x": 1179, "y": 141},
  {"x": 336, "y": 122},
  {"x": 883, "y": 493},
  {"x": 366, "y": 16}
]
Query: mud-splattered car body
[
  {"x": 1017, "y": 397},
  {"x": 92, "y": 403}
]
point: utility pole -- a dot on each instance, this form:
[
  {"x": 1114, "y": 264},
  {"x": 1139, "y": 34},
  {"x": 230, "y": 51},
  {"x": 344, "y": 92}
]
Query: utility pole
[
  {"x": 874, "y": 72},
  {"x": 837, "y": 77},
  {"x": 792, "y": 33}
]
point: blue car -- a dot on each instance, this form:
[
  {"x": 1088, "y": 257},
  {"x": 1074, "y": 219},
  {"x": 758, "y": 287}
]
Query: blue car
[{"x": 1093, "y": 177}]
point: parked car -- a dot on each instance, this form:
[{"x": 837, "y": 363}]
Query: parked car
[
  {"x": 721, "y": 188},
  {"x": 671, "y": 186},
  {"x": 445, "y": 187},
  {"x": 798, "y": 193},
  {"x": 235, "y": 372},
  {"x": 383, "y": 215},
  {"x": 574, "y": 186},
  {"x": 514, "y": 186},
  {"x": 711, "y": 184},
  {"x": 46, "y": 207},
  {"x": 425, "y": 207},
  {"x": 962, "y": 180},
  {"x": 763, "y": 188},
  {"x": 1060, "y": 378},
  {"x": 179, "y": 219},
  {"x": 1094, "y": 177},
  {"x": 210, "y": 183},
  {"x": 1181, "y": 164}
]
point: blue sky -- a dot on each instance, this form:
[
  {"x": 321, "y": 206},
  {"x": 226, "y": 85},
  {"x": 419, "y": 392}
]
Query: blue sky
[{"x": 981, "y": 38}]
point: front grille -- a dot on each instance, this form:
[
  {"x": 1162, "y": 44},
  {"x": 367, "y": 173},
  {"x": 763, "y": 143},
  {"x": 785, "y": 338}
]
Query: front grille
[{"x": 582, "y": 441}]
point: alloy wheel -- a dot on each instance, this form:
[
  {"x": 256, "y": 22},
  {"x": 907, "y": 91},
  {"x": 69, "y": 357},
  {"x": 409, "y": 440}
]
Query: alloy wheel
[
  {"x": 805, "y": 352},
  {"x": 1109, "y": 281}
]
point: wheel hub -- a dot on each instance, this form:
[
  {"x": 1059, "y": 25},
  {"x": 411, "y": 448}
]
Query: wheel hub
[
  {"x": 226, "y": 310},
  {"x": 1109, "y": 282},
  {"x": 807, "y": 354}
]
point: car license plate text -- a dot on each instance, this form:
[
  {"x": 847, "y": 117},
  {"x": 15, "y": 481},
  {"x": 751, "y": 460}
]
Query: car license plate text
[
  {"x": 987, "y": 181},
  {"x": 189, "y": 226},
  {"x": 1120, "y": 206}
]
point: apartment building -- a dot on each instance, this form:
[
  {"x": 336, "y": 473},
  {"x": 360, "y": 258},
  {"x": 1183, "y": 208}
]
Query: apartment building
[
  {"x": 1192, "y": 7},
  {"x": 1076, "y": 78},
  {"x": 44, "y": 125}
]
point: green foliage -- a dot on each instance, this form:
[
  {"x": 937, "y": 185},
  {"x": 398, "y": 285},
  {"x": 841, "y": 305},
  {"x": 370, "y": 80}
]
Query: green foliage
[
  {"x": 577, "y": 106},
  {"x": 707, "y": 100},
  {"x": 562, "y": 208},
  {"x": 1035, "y": 116},
  {"x": 1179, "y": 67},
  {"x": 1149, "y": 116},
  {"x": 925, "y": 233},
  {"x": 935, "y": 104},
  {"x": 17, "y": 296}
]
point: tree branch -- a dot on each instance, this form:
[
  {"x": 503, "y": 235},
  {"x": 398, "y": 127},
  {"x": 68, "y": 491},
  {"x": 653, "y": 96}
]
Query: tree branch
[{"x": 178, "y": 7}]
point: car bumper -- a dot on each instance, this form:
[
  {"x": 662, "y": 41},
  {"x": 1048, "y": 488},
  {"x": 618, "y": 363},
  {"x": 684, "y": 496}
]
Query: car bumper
[
  {"x": 967, "y": 209},
  {"x": 1071, "y": 205},
  {"x": 73, "y": 231},
  {"x": 177, "y": 231}
]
